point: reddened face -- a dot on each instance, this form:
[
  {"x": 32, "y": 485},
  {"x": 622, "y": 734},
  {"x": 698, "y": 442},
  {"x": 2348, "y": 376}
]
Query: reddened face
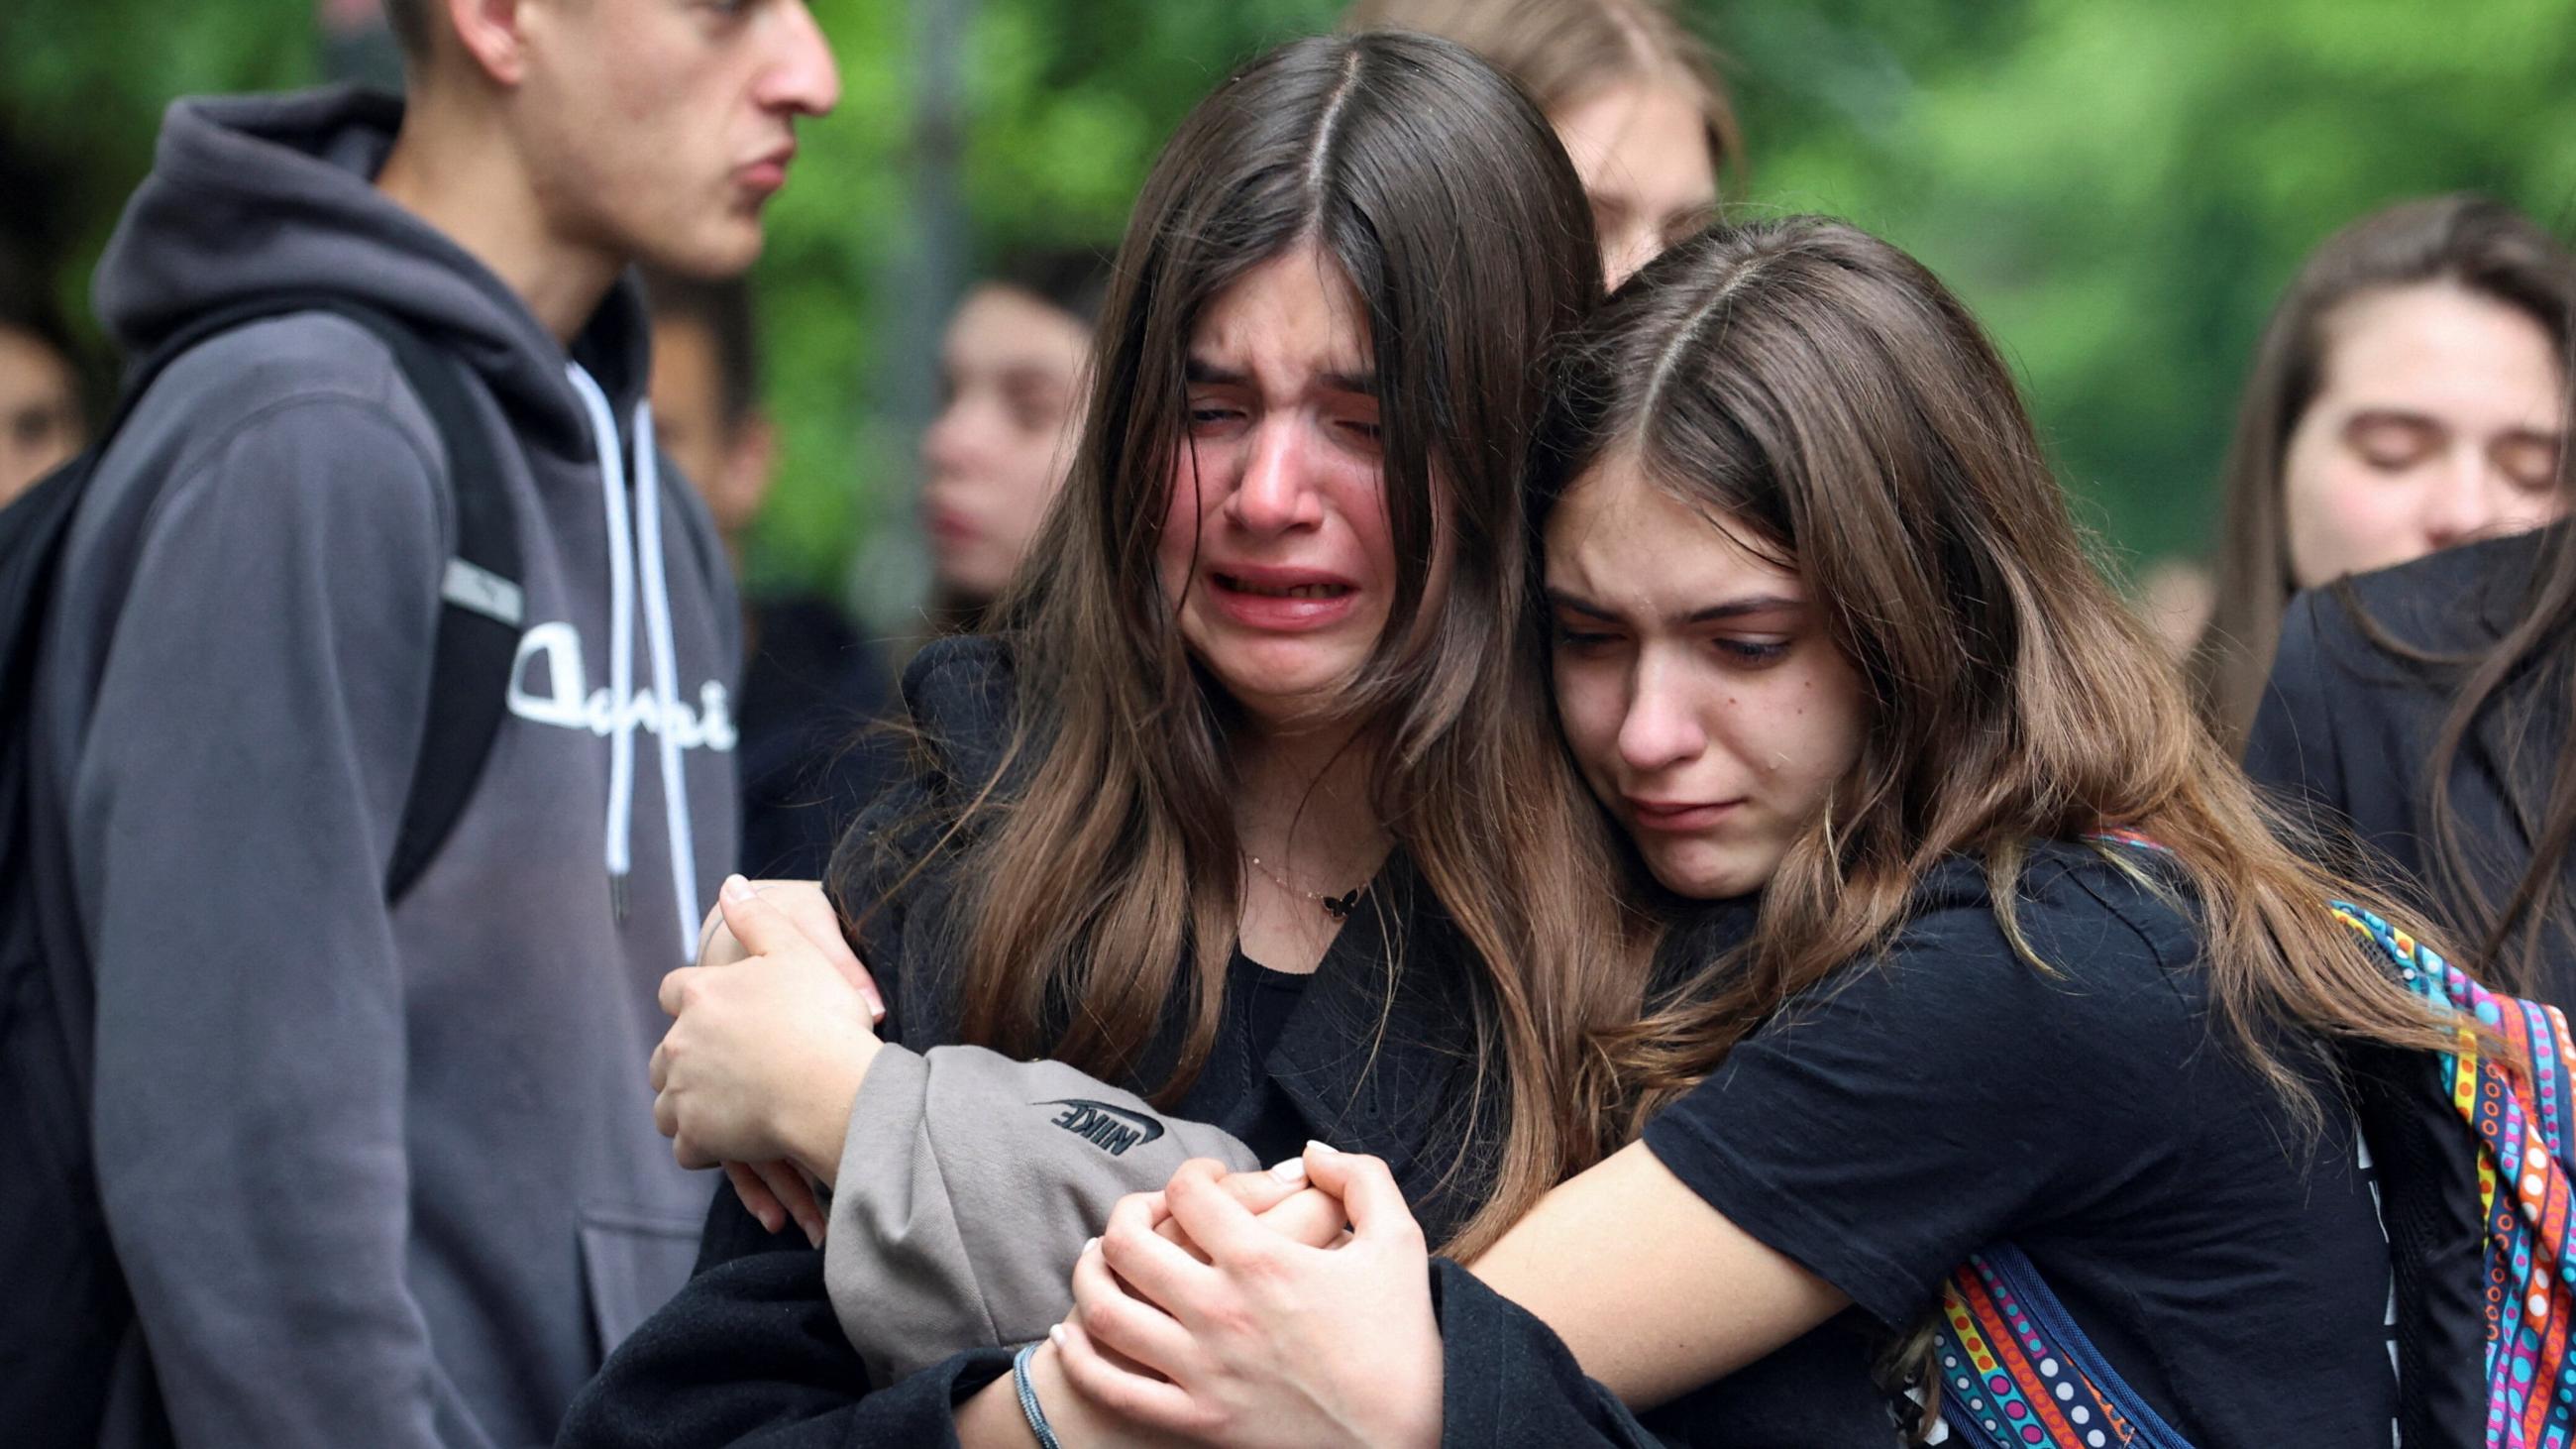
[{"x": 1276, "y": 550}]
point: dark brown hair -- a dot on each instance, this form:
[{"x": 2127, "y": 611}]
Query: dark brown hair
[
  {"x": 1828, "y": 397},
  {"x": 1564, "y": 51},
  {"x": 723, "y": 306},
  {"x": 1106, "y": 889},
  {"x": 2467, "y": 241},
  {"x": 409, "y": 21}
]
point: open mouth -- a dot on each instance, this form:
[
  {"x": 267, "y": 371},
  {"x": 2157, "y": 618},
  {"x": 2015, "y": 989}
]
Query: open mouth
[{"x": 1235, "y": 583}]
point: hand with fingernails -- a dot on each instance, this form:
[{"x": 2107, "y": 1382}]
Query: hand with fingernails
[
  {"x": 1238, "y": 1334},
  {"x": 767, "y": 1048},
  {"x": 777, "y": 1191}
]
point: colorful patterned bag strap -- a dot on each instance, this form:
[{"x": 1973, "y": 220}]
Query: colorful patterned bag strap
[
  {"x": 2016, "y": 1372},
  {"x": 2518, "y": 1102}
]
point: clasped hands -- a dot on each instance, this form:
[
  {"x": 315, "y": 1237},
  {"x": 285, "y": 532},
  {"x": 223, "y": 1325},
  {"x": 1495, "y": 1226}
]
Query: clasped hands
[
  {"x": 771, "y": 1037},
  {"x": 1221, "y": 1312}
]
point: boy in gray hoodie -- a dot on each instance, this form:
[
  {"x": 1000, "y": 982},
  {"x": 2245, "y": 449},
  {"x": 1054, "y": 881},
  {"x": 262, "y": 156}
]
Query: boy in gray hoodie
[{"x": 379, "y": 1175}]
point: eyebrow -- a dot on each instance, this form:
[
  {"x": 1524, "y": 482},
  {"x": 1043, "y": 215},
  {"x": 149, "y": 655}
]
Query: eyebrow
[
  {"x": 1714, "y": 613},
  {"x": 2403, "y": 417},
  {"x": 1201, "y": 373}
]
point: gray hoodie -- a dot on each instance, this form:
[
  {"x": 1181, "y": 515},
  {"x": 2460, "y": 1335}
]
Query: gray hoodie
[{"x": 374, "y": 1177}]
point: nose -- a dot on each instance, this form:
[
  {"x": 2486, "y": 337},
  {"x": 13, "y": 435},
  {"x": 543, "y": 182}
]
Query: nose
[
  {"x": 2462, "y": 498},
  {"x": 948, "y": 444},
  {"x": 1276, "y": 492},
  {"x": 1626, "y": 248},
  {"x": 1661, "y": 729},
  {"x": 803, "y": 78}
]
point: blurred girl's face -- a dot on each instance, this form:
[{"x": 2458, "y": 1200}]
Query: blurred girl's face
[
  {"x": 1276, "y": 550},
  {"x": 1011, "y": 376},
  {"x": 1640, "y": 148},
  {"x": 1702, "y": 698},
  {"x": 2436, "y": 421}
]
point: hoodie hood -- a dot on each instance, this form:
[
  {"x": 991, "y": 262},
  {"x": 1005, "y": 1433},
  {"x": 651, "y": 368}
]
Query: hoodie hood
[{"x": 252, "y": 195}]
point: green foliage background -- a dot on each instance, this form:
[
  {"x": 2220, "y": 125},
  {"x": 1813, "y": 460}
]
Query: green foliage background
[{"x": 2119, "y": 186}]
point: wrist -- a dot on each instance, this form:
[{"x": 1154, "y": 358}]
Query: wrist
[
  {"x": 822, "y": 1120},
  {"x": 991, "y": 1419}
]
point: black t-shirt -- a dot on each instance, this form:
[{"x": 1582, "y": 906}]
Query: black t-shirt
[
  {"x": 1237, "y": 1090},
  {"x": 1950, "y": 1096}
]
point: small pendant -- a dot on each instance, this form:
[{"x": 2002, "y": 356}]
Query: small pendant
[{"x": 1340, "y": 907}]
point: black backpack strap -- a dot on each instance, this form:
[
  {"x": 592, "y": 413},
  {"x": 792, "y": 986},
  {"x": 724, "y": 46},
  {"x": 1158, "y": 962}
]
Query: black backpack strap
[
  {"x": 483, "y": 607},
  {"x": 2428, "y": 1202},
  {"x": 483, "y": 603}
]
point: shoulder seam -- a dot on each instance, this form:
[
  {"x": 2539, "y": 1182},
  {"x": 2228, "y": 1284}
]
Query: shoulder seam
[{"x": 209, "y": 457}]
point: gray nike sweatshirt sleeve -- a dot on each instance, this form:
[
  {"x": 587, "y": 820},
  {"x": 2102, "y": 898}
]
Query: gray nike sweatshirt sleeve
[
  {"x": 969, "y": 1183},
  {"x": 235, "y": 804}
]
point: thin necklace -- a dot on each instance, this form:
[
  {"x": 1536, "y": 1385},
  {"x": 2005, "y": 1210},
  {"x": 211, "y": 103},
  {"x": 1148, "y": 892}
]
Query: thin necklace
[{"x": 1338, "y": 907}]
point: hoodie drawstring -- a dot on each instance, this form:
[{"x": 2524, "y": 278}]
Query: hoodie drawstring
[
  {"x": 626, "y": 542},
  {"x": 666, "y": 680}
]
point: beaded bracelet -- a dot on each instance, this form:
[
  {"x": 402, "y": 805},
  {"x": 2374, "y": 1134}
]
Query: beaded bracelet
[{"x": 1029, "y": 1399}]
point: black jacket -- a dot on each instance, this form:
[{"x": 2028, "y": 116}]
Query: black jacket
[
  {"x": 750, "y": 1351},
  {"x": 2347, "y": 726}
]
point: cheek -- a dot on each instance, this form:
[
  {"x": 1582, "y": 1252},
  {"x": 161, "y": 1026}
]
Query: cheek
[
  {"x": 1809, "y": 729},
  {"x": 2528, "y": 510},
  {"x": 1176, "y": 542},
  {"x": 1359, "y": 496},
  {"x": 1590, "y": 704},
  {"x": 2337, "y": 514}
]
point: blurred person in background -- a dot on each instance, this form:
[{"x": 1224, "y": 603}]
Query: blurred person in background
[
  {"x": 811, "y": 683},
  {"x": 2174, "y": 595},
  {"x": 2427, "y": 709},
  {"x": 42, "y": 418},
  {"x": 2405, "y": 397},
  {"x": 1634, "y": 96},
  {"x": 1011, "y": 373}
]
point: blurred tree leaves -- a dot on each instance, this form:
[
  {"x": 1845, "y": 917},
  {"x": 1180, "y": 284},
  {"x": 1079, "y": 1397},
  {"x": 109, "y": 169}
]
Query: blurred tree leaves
[{"x": 2120, "y": 187}]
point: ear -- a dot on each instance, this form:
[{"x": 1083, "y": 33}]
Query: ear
[{"x": 489, "y": 32}]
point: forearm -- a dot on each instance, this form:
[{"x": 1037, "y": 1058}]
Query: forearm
[
  {"x": 1651, "y": 1288},
  {"x": 972, "y": 1183},
  {"x": 252, "y": 1168}
]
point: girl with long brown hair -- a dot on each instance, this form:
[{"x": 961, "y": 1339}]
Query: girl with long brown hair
[
  {"x": 2403, "y": 399},
  {"x": 2427, "y": 709},
  {"x": 1252, "y": 802},
  {"x": 1831, "y": 652},
  {"x": 1633, "y": 94}
]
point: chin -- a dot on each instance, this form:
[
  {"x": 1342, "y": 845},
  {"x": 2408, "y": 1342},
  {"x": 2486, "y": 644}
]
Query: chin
[
  {"x": 720, "y": 254},
  {"x": 1283, "y": 696},
  {"x": 1698, "y": 871}
]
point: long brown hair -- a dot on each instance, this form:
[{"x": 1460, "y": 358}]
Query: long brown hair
[
  {"x": 1564, "y": 51},
  {"x": 1106, "y": 888},
  {"x": 2471, "y": 242},
  {"x": 1828, "y": 396}
]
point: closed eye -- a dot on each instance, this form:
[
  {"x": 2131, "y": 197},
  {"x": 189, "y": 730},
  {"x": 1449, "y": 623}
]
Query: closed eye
[{"x": 1754, "y": 651}]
